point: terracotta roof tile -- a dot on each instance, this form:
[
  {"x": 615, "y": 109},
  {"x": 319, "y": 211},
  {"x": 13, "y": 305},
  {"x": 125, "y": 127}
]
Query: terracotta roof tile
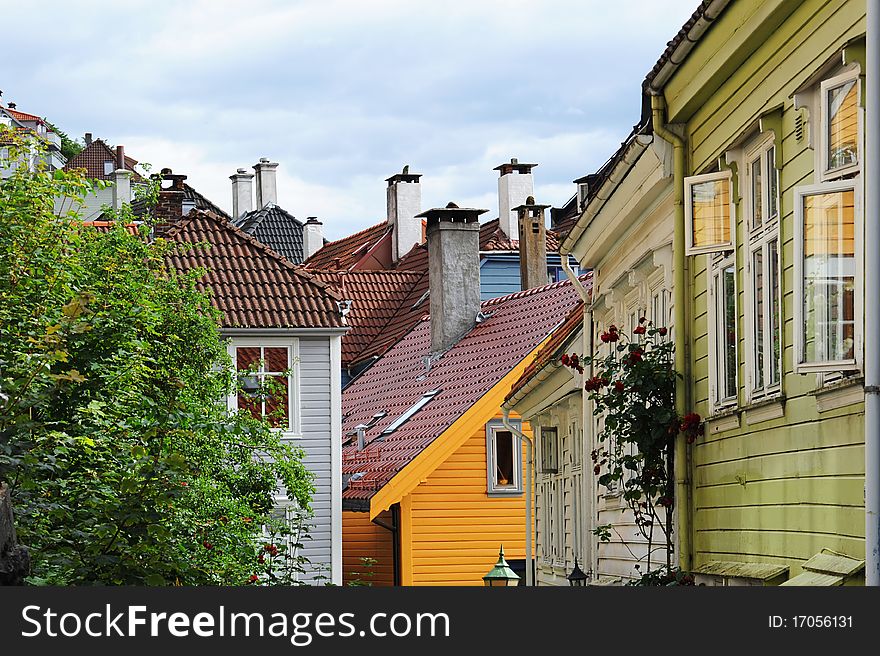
[
  {"x": 250, "y": 284},
  {"x": 106, "y": 226},
  {"x": 22, "y": 116},
  {"x": 464, "y": 373},
  {"x": 492, "y": 238},
  {"x": 92, "y": 159},
  {"x": 346, "y": 252},
  {"x": 377, "y": 297}
]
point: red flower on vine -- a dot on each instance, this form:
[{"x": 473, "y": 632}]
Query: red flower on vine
[
  {"x": 662, "y": 331},
  {"x": 618, "y": 386},
  {"x": 639, "y": 330}
]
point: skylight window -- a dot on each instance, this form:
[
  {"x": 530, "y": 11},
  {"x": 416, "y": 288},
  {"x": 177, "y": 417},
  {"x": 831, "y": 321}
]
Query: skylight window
[{"x": 406, "y": 416}]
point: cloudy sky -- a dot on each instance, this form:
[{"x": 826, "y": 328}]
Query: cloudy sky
[{"x": 343, "y": 93}]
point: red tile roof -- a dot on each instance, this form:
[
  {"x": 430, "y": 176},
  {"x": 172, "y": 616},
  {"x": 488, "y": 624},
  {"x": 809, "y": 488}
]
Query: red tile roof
[
  {"x": 105, "y": 226},
  {"x": 22, "y": 116},
  {"x": 551, "y": 351},
  {"x": 250, "y": 284},
  {"x": 345, "y": 253},
  {"x": 464, "y": 373},
  {"x": 492, "y": 238},
  {"x": 377, "y": 297},
  {"x": 92, "y": 159}
]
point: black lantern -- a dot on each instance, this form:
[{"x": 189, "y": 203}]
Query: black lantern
[{"x": 577, "y": 576}]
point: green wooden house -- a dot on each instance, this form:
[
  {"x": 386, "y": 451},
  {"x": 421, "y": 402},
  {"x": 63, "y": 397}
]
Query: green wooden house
[{"x": 764, "y": 101}]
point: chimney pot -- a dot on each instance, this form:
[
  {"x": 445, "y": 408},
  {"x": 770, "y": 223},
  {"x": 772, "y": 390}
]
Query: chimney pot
[
  {"x": 453, "y": 272},
  {"x": 11, "y": 105},
  {"x": 266, "y": 186},
  {"x": 120, "y": 157},
  {"x": 242, "y": 192},
  {"x": 403, "y": 203},
  {"x": 532, "y": 244},
  {"x": 88, "y": 138},
  {"x": 313, "y": 237},
  {"x": 515, "y": 185}
]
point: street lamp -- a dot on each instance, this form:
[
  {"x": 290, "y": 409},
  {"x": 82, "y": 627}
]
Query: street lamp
[
  {"x": 501, "y": 574},
  {"x": 577, "y": 576}
]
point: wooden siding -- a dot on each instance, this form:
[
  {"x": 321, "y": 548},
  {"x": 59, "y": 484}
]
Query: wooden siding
[
  {"x": 315, "y": 441},
  {"x": 777, "y": 490},
  {"x": 362, "y": 538},
  {"x": 455, "y": 527}
]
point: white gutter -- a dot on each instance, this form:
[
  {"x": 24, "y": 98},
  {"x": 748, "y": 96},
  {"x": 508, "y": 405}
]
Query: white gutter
[
  {"x": 631, "y": 155},
  {"x": 872, "y": 296},
  {"x": 681, "y": 52},
  {"x": 530, "y": 450},
  {"x": 283, "y": 332}
]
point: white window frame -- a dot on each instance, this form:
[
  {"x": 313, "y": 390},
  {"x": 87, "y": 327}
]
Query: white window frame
[
  {"x": 689, "y": 183},
  {"x": 715, "y": 267},
  {"x": 549, "y": 448},
  {"x": 294, "y": 429},
  {"x": 493, "y": 489},
  {"x": 826, "y": 174},
  {"x": 854, "y": 364},
  {"x": 760, "y": 239}
]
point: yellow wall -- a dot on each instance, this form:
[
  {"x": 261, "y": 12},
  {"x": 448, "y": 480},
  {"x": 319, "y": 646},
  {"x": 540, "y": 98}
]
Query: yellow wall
[
  {"x": 455, "y": 527},
  {"x": 362, "y": 538}
]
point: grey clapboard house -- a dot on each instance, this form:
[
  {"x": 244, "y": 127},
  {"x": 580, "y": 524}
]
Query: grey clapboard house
[{"x": 282, "y": 324}]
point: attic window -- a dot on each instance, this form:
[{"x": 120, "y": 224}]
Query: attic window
[
  {"x": 108, "y": 167},
  {"x": 406, "y": 416}
]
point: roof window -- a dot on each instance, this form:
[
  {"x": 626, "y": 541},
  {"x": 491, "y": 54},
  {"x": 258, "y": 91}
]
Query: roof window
[{"x": 406, "y": 416}]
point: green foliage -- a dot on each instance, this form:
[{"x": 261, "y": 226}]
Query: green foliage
[
  {"x": 367, "y": 572},
  {"x": 633, "y": 395},
  {"x": 124, "y": 464},
  {"x": 665, "y": 576}
]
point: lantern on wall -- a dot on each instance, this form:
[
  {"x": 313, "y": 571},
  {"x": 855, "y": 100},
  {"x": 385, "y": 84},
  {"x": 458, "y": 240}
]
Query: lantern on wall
[
  {"x": 501, "y": 574},
  {"x": 577, "y": 576}
]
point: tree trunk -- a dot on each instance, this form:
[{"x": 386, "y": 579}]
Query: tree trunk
[{"x": 15, "y": 561}]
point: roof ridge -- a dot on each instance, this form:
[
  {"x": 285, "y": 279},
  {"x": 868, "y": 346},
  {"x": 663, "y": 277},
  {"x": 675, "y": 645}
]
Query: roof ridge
[
  {"x": 529, "y": 292},
  {"x": 228, "y": 225}
]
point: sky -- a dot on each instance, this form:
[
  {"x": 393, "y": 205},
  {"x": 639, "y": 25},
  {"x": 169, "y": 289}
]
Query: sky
[{"x": 344, "y": 93}]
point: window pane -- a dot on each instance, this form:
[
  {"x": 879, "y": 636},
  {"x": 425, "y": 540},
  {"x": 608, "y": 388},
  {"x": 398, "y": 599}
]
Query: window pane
[
  {"x": 710, "y": 202},
  {"x": 843, "y": 125},
  {"x": 772, "y": 184},
  {"x": 504, "y": 469},
  {"x": 727, "y": 364},
  {"x": 247, "y": 357},
  {"x": 758, "y": 295},
  {"x": 757, "y": 192},
  {"x": 548, "y": 449},
  {"x": 829, "y": 276},
  {"x": 277, "y": 395},
  {"x": 276, "y": 359},
  {"x": 250, "y": 403},
  {"x": 774, "y": 323}
]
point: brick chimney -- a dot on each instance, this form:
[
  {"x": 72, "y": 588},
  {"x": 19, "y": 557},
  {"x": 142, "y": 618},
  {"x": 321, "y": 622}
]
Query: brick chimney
[
  {"x": 88, "y": 138},
  {"x": 313, "y": 237},
  {"x": 121, "y": 181},
  {"x": 515, "y": 184},
  {"x": 242, "y": 192},
  {"x": 169, "y": 208},
  {"x": 266, "y": 189},
  {"x": 404, "y": 202},
  {"x": 453, "y": 272},
  {"x": 532, "y": 244}
]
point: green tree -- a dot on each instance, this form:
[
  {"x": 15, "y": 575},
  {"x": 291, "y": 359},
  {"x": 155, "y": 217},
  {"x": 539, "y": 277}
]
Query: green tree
[{"x": 125, "y": 466}]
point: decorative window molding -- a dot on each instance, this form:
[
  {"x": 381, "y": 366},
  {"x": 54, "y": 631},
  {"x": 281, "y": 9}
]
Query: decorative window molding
[
  {"x": 709, "y": 211},
  {"x": 269, "y": 368},
  {"x": 828, "y": 273},
  {"x": 503, "y": 459}
]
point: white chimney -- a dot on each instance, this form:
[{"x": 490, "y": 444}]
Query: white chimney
[
  {"x": 515, "y": 184},
  {"x": 404, "y": 202},
  {"x": 313, "y": 237},
  {"x": 453, "y": 272},
  {"x": 121, "y": 181},
  {"x": 266, "y": 189},
  {"x": 242, "y": 192}
]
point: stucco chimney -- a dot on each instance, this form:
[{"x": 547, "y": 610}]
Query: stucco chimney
[
  {"x": 515, "y": 184},
  {"x": 532, "y": 244},
  {"x": 453, "y": 272},
  {"x": 242, "y": 192},
  {"x": 404, "y": 202},
  {"x": 121, "y": 181},
  {"x": 266, "y": 189},
  {"x": 313, "y": 237}
]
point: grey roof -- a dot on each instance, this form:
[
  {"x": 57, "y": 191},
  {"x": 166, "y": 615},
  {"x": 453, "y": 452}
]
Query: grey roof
[
  {"x": 277, "y": 229},
  {"x": 190, "y": 195}
]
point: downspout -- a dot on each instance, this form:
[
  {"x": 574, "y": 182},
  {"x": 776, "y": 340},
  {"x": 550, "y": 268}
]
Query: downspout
[
  {"x": 530, "y": 448},
  {"x": 679, "y": 300},
  {"x": 872, "y": 307},
  {"x": 586, "y": 411},
  {"x": 394, "y": 529}
]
